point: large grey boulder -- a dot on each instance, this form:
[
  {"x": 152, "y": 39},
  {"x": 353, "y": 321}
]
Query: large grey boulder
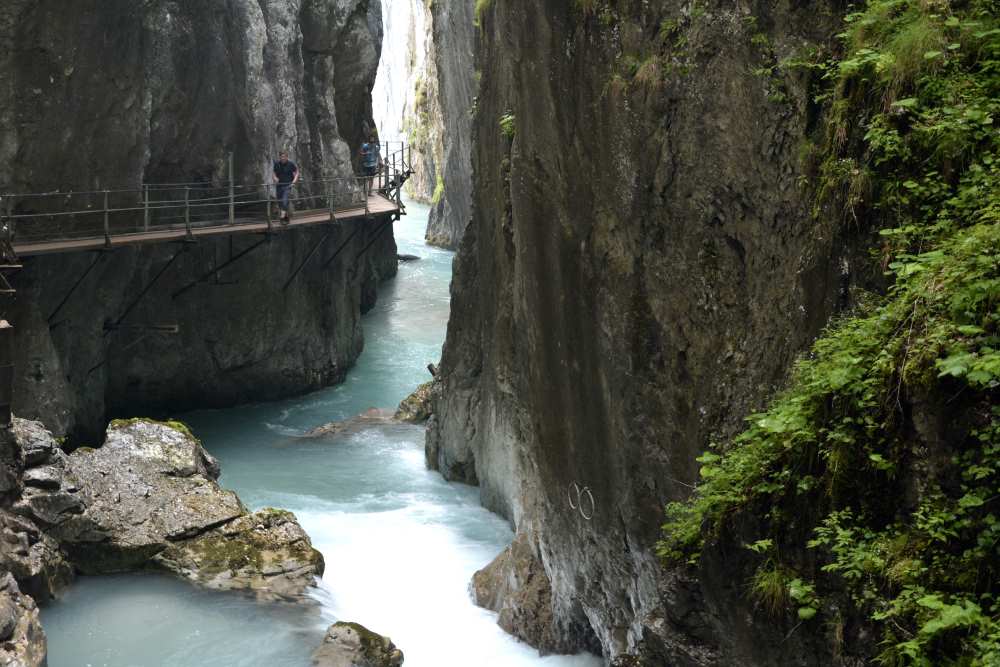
[
  {"x": 22, "y": 640},
  {"x": 149, "y": 498},
  {"x": 353, "y": 645},
  {"x": 149, "y": 485}
]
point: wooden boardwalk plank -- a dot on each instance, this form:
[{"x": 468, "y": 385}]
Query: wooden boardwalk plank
[{"x": 378, "y": 205}]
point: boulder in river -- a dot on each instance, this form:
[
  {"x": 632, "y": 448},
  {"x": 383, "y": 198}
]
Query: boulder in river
[
  {"x": 516, "y": 586},
  {"x": 367, "y": 419},
  {"x": 353, "y": 645},
  {"x": 416, "y": 408},
  {"x": 266, "y": 552},
  {"x": 22, "y": 640}
]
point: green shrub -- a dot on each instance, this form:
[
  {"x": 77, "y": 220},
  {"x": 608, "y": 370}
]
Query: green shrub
[{"x": 911, "y": 147}]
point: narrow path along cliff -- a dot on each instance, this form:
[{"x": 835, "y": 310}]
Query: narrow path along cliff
[{"x": 400, "y": 544}]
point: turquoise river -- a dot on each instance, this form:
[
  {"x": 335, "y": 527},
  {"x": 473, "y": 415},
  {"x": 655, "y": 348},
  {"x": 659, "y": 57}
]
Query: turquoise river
[{"x": 400, "y": 543}]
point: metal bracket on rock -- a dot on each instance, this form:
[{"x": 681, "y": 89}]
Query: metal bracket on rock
[{"x": 584, "y": 497}]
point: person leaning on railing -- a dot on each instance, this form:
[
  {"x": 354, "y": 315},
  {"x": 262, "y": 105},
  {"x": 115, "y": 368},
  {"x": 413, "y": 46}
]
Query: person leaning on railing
[{"x": 286, "y": 174}]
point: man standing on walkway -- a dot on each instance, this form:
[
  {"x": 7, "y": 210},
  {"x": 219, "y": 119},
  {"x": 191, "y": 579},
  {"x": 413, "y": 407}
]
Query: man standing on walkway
[
  {"x": 286, "y": 174},
  {"x": 371, "y": 162}
]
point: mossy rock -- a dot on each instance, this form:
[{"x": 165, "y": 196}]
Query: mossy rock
[
  {"x": 266, "y": 552},
  {"x": 417, "y": 407},
  {"x": 353, "y": 645}
]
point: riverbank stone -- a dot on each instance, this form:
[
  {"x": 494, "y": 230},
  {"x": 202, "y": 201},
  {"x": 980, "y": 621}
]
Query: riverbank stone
[
  {"x": 353, "y": 645},
  {"x": 151, "y": 484},
  {"x": 32, "y": 557},
  {"x": 148, "y": 498},
  {"x": 22, "y": 640}
]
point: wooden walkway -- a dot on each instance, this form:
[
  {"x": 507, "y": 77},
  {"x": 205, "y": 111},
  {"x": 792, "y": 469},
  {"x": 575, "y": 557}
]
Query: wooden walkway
[{"x": 379, "y": 206}]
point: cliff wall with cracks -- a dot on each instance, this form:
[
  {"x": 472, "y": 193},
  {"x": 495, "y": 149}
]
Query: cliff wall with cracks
[
  {"x": 115, "y": 94},
  {"x": 641, "y": 269}
]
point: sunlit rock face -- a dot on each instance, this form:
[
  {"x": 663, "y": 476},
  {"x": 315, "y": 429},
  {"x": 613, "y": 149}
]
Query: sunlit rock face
[
  {"x": 424, "y": 95},
  {"x": 453, "y": 64},
  {"x": 405, "y": 99},
  {"x": 641, "y": 269},
  {"x": 111, "y": 94}
]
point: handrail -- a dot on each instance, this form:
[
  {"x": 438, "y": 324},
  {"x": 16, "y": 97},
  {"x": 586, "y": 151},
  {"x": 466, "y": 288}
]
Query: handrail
[{"x": 157, "y": 207}]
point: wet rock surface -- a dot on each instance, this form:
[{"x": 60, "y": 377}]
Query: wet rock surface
[
  {"x": 353, "y": 645},
  {"x": 22, "y": 640}
]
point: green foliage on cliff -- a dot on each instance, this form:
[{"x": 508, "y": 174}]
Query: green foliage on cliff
[
  {"x": 871, "y": 486},
  {"x": 482, "y": 6},
  {"x": 508, "y": 125}
]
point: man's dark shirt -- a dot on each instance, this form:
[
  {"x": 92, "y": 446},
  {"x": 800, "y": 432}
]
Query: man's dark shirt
[{"x": 285, "y": 172}]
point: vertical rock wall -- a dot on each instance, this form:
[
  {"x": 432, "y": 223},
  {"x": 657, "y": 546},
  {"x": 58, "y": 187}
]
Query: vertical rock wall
[
  {"x": 641, "y": 269},
  {"x": 114, "y": 93}
]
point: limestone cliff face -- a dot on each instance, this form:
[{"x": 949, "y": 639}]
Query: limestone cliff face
[
  {"x": 419, "y": 121},
  {"x": 451, "y": 73},
  {"x": 640, "y": 271},
  {"x": 113, "y": 94}
]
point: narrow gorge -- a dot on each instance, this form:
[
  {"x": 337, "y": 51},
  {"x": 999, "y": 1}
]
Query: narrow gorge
[{"x": 632, "y": 333}]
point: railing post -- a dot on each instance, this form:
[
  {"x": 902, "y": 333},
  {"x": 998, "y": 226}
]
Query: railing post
[
  {"x": 232, "y": 193},
  {"x": 7, "y": 219},
  {"x": 145, "y": 208},
  {"x": 398, "y": 179},
  {"x": 187, "y": 211},
  {"x": 329, "y": 198},
  {"x": 267, "y": 203},
  {"x": 107, "y": 222}
]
